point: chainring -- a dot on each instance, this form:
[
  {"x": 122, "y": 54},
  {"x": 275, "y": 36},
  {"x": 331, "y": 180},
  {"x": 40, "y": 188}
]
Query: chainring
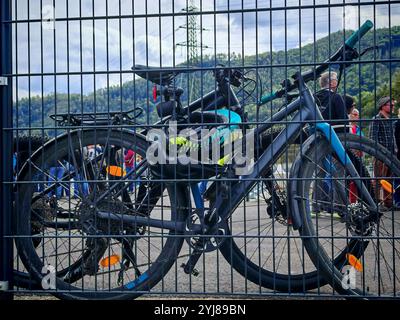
[{"x": 204, "y": 242}]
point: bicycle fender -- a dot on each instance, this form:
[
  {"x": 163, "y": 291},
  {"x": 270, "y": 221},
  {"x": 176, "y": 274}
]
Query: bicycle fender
[
  {"x": 140, "y": 142},
  {"x": 294, "y": 199}
]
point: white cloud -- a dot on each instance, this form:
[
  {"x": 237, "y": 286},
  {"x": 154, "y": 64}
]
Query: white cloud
[{"x": 138, "y": 42}]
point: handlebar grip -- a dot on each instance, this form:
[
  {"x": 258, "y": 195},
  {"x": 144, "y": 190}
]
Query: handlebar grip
[
  {"x": 367, "y": 25},
  {"x": 268, "y": 98}
]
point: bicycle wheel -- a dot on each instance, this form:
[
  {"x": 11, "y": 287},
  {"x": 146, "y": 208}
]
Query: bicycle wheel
[
  {"x": 24, "y": 147},
  {"x": 358, "y": 256},
  {"x": 264, "y": 247},
  {"x": 95, "y": 258}
]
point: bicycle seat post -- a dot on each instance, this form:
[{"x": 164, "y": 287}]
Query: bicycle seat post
[{"x": 174, "y": 93}]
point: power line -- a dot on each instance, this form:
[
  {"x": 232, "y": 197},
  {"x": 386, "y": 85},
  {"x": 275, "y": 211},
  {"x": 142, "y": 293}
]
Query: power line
[{"x": 193, "y": 47}]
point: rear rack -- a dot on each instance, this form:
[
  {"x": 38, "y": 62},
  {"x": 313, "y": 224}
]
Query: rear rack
[{"x": 98, "y": 118}]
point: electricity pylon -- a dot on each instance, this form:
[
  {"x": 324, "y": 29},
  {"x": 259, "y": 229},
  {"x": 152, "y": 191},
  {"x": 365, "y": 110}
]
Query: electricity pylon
[{"x": 193, "y": 48}]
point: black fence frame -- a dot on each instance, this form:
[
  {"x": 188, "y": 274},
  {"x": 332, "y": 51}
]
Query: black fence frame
[
  {"x": 7, "y": 275},
  {"x": 6, "y": 242}
]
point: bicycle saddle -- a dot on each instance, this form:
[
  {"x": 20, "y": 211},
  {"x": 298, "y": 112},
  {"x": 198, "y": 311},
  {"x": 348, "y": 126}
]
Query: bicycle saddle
[{"x": 155, "y": 74}]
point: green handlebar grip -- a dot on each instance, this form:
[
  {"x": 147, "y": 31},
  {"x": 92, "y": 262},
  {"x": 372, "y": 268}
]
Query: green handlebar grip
[
  {"x": 267, "y": 98},
  {"x": 367, "y": 25}
]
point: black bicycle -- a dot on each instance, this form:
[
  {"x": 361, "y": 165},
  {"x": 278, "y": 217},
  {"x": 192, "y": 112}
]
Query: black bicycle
[{"x": 150, "y": 215}]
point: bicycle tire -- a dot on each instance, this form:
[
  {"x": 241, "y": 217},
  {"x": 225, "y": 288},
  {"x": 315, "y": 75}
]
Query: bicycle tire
[
  {"x": 367, "y": 281},
  {"x": 240, "y": 255},
  {"x": 29, "y": 255},
  {"x": 26, "y": 145}
]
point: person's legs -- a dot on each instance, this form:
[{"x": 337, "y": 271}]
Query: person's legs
[
  {"x": 382, "y": 172},
  {"x": 396, "y": 195},
  {"x": 131, "y": 184},
  {"x": 352, "y": 192}
]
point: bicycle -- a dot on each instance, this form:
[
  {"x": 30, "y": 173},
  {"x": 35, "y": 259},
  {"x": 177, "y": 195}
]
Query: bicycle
[
  {"x": 180, "y": 218},
  {"x": 60, "y": 195}
]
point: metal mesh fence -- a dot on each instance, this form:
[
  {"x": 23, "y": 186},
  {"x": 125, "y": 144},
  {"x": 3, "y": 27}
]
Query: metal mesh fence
[{"x": 224, "y": 148}]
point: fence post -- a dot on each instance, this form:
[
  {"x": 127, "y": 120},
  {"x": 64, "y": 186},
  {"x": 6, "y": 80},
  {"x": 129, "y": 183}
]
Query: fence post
[{"x": 6, "y": 243}]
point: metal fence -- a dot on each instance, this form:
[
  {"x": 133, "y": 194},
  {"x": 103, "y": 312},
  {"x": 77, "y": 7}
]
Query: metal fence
[{"x": 168, "y": 148}]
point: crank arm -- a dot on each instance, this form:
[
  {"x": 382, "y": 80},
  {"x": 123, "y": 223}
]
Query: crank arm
[{"x": 188, "y": 268}]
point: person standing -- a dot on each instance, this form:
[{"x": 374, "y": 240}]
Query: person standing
[
  {"x": 130, "y": 164},
  {"x": 349, "y": 103},
  {"x": 354, "y": 118},
  {"x": 396, "y": 127},
  {"x": 354, "y": 129},
  {"x": 331, "y": 103},
  {"x": 381, "y": 131},
  {"x": 332, "y": 107}
]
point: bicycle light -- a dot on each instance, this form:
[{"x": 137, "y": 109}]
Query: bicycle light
[
  {"x": 116, "y": 171},
  {"x": 109, "y": 261},
  {"x": 354, "y": 262},
  {"x": 387, "y": 186}
]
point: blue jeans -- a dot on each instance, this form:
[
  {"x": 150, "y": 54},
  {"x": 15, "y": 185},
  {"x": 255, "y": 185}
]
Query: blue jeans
[{"x": 132, "y": 184}]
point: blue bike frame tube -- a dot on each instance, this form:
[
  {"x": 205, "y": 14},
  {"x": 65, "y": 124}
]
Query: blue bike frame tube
[
  {"x": 333, "y": 139},
  {"x": 279, "y": 116},
  {"x": 198, "y": 200}
]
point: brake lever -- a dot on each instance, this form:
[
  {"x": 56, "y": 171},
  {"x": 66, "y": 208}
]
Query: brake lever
[
  {"x": 348, "y": 55},
  {"x": 370, "y": 49}
]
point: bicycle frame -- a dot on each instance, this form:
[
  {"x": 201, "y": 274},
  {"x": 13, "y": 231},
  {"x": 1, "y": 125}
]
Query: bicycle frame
[
  {"x": 307, "y": 112},
  {"x": 213, "y": 100}
]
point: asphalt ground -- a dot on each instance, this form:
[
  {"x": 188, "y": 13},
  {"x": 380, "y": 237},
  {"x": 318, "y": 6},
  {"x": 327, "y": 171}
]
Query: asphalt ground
[{"x": 266, "y": 242}]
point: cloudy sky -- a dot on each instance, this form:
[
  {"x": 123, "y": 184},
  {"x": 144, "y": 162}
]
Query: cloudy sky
[{"x": 116, "y": 44}]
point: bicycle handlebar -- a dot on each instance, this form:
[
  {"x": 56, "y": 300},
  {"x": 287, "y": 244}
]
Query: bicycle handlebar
[
  {"x": 356, "y": 36},
  {"x": 268, "y": 98},
  {"x": 316, "y": 72}
]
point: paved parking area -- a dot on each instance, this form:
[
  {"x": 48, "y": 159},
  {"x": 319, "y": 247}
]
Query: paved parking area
[{"x": 264, "y": 241}]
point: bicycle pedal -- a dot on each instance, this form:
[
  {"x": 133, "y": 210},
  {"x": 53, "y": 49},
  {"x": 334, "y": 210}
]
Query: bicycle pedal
[{"x": 194, "y": 272}]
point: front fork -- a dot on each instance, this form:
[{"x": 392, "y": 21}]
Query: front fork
[
  {"x": 210, "y": 225},
  {"x": 337, "y": 146},
  {"x": 332, "y": 138}
]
